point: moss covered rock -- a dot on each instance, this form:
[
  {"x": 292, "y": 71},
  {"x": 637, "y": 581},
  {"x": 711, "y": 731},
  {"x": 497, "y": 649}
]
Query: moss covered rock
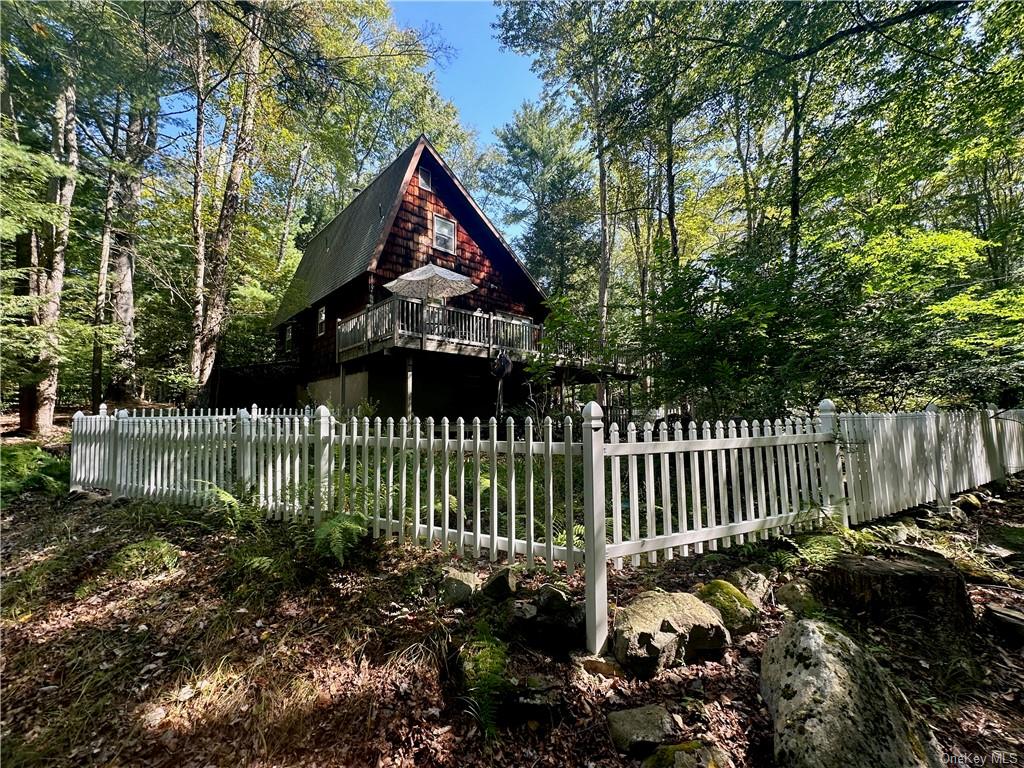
[
  {"x": 797, "y": 597},
  {"x": 832, "y": 704},
  {"x": 638, "y": 731},
  {"x": 739, "y": 614},
  {"x": 688, "y": 754},
  {"x": 662, "y": 629}
]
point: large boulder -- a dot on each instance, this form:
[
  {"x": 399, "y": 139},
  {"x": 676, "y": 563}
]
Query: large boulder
[
  {"x": 639, "y": 731},
  {"x": 832, "y": 704},
  {"x": 662, "y": 629},
  {"x": 739, "y": 614}
]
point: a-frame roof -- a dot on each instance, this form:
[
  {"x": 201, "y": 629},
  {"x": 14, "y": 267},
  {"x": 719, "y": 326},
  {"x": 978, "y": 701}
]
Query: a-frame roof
[{"x": 350, "y": 245}]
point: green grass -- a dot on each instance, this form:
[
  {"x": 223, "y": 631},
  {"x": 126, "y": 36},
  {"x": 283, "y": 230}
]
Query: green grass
[{"x": 27, "y": 467}]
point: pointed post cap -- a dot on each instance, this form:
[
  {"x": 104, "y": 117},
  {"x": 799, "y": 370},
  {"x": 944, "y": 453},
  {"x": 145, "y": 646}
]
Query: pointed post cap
[{"x": 592, "y": 412}]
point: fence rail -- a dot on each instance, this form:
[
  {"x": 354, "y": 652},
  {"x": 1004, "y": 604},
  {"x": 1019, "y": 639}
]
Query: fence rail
[{"x": 535, "y": 490}]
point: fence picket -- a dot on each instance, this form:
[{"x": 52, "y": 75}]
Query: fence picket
[{"x": 732, "y": 483}]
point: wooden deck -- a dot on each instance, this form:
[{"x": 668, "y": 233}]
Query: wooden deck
[{"x": 400, "y": 322}]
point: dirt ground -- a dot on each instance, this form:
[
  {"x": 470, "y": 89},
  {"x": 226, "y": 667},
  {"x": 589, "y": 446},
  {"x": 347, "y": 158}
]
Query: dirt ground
[{"x": 138, "y": 634}]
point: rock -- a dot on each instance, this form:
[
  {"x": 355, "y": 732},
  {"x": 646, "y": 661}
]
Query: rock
[
  {"x": 601, "y": 665},
  {"x": 797, "y": 596},
  {"x": 755, "y": 586},
  {"x": 968, "y": 501},
  {"x": 1006, "y": 623},
  {"x": 457, "y": 587},
  {"x": 523, "y": 610},
  {"x": 501, "y": 584},
  {"x": 832, "y": 704},
  {"x": 661, "y": 629},
  {"x": 537, "y": 699},
  {"x": 912, "y": 585},
  {"x": 552, "y": 599},
  {"x": 738, "y": 613},
  {"x": 688, "y": 754},
  {"x": 551, "y": 622},
  {"x": 638, "y": 731}
]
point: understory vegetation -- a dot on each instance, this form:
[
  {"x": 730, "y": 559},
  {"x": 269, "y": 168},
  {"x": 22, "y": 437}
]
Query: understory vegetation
[{"x": 135, "y": 632}]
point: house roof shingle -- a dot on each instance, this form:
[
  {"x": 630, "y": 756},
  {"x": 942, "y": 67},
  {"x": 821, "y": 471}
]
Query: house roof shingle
[
  {"x": 344, "y": 249},
  {"x": 351, "y": 243}
]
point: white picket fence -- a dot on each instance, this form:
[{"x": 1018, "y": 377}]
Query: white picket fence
[{"x": 511, "y": 490}]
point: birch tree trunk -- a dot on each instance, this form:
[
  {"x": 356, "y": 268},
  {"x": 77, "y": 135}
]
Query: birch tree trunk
[{"x": 200, "y": 70}]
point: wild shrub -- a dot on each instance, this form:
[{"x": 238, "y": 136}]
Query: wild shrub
[{"x": 27, "y": 467}]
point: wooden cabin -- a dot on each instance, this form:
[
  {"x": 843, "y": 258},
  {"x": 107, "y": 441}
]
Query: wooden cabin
[{"x": 354, "y": 341}]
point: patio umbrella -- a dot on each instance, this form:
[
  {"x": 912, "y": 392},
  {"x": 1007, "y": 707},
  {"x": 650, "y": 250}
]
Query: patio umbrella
[{"x": 431, "y": 282}]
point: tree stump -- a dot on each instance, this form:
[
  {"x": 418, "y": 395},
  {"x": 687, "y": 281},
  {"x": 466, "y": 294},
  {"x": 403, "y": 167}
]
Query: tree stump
[{"x": 913, "y": 586}]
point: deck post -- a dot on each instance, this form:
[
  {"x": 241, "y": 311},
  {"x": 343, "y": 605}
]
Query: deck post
[
  {"x": 490, "y": 334},
  {"x": 594, "y": 528},
  {"x": 396, "y": 319},
  {"x": 423, "y": 323}
]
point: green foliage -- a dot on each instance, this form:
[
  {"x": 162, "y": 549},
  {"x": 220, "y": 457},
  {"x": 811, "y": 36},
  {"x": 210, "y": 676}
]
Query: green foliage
[
  {"x": 485, "y": 679},
  {"x": 27, "y": 467},
  {"x": 143, "y": 558},
  {"x": 339, "y": 535}
]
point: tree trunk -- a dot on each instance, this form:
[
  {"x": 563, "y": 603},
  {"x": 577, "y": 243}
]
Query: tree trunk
[
  {"x": 794, "y": 186},
  {"x": 201, "y": 69},
  {"x": 100, "y": 308},
  {"x": 670, "y": 190},
  {"x": 140, "y": 142},
  {"x": 215, "y": 315},
  {"x": 48, "y": 281},
  {"x": 289, "y": 208}
]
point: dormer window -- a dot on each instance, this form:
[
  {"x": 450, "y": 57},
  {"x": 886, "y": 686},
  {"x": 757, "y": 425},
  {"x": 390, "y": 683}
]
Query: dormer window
[
  {"x": 425, "y": 179},
  {"x": 321, "y": 321},
  {"x": 444, "y": 234}
]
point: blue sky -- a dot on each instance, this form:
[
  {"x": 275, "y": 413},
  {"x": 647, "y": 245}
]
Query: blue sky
[{"x": 486, "y": 83}]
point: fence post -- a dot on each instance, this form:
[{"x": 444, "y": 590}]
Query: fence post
[
  {"x": 833, "y": 491},
  {"x": 594, "y": 527},
  {"x": 116, "y": 456},
  {"x": 939, "y": 464},
  {"x": 322, "y": 457},
  {"x": 243, "y": 452},
  {"x": 76, "y": 451}
]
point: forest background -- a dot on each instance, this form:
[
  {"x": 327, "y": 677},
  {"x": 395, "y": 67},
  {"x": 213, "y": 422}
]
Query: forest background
[{"x": 767, "y": 204}]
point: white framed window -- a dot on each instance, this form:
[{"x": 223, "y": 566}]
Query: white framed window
[
  {"x": 444, "y": 234},
  {"x": 287, "y": 338},
  {"x": 321, "y": 321},
  {"x": 425, "y": 180}
]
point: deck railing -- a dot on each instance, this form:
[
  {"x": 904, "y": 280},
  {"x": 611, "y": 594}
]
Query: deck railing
[{"x": 403, "y": 318}]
